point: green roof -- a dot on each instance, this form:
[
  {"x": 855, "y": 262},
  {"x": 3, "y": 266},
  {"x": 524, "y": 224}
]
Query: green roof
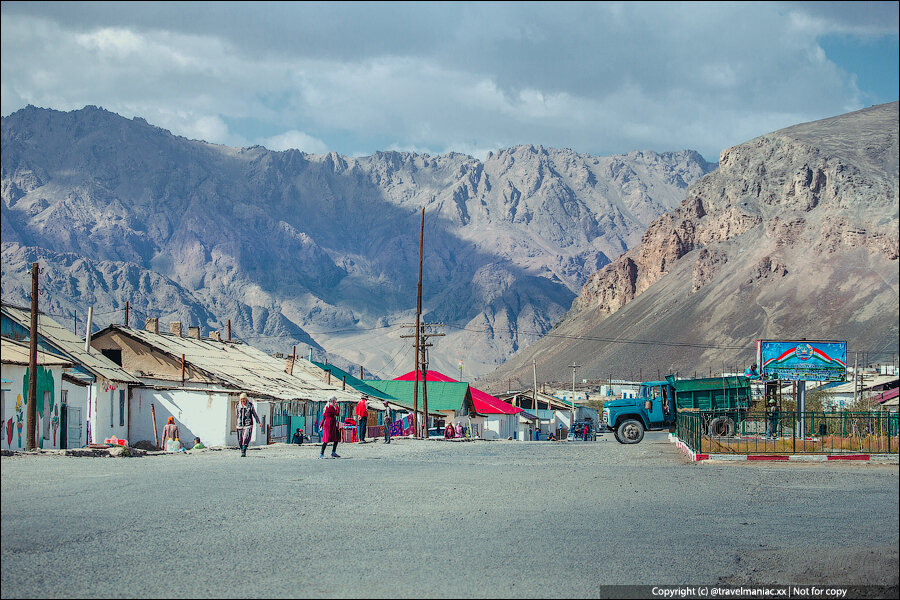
[
  {"x": 357, "y": 384},
  {"x": 442, "y": 395}
]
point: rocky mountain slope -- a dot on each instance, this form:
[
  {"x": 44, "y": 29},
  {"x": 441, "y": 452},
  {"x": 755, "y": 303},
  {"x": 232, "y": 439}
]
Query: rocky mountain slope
[
  {"x": 795, "y": 235},
  {"x": 317, "y": 250}
]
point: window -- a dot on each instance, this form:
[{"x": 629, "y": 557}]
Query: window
[
  {"x": 113, "y": 354},
  {"x": 121, "y": 408},
  {"x": 63, "y": 396}
]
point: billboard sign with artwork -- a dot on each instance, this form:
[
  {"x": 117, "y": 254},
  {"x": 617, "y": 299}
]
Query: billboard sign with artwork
[{"x": 802, "y": 360}]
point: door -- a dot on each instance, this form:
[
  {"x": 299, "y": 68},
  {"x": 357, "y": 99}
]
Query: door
[{"x": 74, "y": 427}]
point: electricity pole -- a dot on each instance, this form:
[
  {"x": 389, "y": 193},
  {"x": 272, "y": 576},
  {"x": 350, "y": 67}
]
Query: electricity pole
[
  {"x": 574, "y": 366},
  {"x": 31, "y": 418}
]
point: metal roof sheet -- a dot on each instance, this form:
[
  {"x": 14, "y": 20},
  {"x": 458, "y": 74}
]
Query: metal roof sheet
[
  {"x": 442, "y": 395},
  {"x": 16, "y": 353},
  {"x": 484, "y": 402},
  {"x": 70, "y": 345},
  {"x": 241, "y": 366},
  {"x": 354, "y": 382}
]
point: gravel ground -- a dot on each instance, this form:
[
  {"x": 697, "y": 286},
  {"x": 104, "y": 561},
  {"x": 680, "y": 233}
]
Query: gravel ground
[{"x": 438, "y": 519}]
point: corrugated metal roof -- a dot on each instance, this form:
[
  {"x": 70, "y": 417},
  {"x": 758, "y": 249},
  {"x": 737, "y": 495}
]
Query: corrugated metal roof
[
  {"x": 16, "y": 353},
  {"x": 868, "y": 383},
  {"x": 70, "y": 345},
  {"x": 358, "y": 384},
  {"x": 241, "y": 366},
  {"x": 441, "y": 395},
  {"x": 484, "y": 403}
]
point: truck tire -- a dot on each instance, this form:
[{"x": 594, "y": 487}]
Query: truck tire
[
  {"x": 630, "y": 431},
  {"x": 729, "y": 427},
  {"x": 721, "y": 427}
]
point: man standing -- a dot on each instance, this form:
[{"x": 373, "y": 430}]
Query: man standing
[
  {"x": 388, "y": 421},
  {"x": 773, "y": 415},
  {"x": 244, "y": 416},
  {"x": 362, "y": 417}
]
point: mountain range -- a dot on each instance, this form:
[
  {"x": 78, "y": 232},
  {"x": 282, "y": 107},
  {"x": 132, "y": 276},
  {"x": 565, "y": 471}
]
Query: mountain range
[
  {"x": 317, "y": 251},
  {"x": 794, "y": 236}
]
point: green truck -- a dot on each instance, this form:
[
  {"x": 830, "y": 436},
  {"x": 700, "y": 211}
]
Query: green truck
[{"x": 722, "y": 402}]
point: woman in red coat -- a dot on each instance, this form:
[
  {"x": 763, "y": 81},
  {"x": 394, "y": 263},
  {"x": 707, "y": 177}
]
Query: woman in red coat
[{"x": 330, "y": 431}]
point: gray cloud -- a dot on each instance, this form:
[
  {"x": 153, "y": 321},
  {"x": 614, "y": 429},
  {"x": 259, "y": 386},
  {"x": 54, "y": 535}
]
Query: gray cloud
[{"x": 359, "y": 77}]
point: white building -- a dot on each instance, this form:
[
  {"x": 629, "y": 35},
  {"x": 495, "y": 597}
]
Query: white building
[
  {"x": 197, "y": 381},
  {"x": 95, "y": 390},
  {"x": 52, "y": 409}
]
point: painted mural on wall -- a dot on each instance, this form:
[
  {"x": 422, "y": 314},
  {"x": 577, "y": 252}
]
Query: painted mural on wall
[
  {"x": 20, "y": 418},
  {"x": 44, "y": 384}
]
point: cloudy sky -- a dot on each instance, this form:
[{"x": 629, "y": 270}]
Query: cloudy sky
[{"x": 600, "y": 78}]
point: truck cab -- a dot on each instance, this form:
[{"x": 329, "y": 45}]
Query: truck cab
[
  {"x": 721, "y": 402},
  {"x": 653, "y": 409}
]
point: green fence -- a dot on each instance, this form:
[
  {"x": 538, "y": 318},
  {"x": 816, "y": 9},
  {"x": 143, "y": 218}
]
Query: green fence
[{"x": 874, "y": 432}]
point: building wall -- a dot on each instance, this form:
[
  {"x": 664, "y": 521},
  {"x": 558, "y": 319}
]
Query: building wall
[
  {"x": 15, "y": 409},
  {"x": 137, "y": 356},
  {"x": 77, "y": 400},
  {"x": 198, "y": 413},
  {"x": 500, "y": 427},
  {"x": 108, "y": 411}
]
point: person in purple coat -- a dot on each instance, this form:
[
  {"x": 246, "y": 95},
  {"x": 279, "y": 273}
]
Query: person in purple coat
[{"x": 330, "y": 432}]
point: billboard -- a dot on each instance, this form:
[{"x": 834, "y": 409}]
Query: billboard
[{"x": 802, "y": 360}]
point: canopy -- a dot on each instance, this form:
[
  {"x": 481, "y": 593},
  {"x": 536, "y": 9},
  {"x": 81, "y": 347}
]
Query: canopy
[{"x": 485, "y": 404}]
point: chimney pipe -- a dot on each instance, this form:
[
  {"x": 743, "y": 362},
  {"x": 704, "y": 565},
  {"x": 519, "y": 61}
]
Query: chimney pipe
[
  {"x": 215, "y": 335},
  {"x": 194, "y": 332},
  {"x": 152, "y": 325},
  {"x": 175, "y": 328}
]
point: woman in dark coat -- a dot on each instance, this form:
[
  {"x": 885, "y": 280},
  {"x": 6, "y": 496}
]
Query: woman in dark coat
[{"x": 330, "y": 431}]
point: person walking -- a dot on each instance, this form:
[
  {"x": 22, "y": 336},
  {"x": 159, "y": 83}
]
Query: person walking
[
  {"x": 330, "y": 432},
  {"x": 170, "y": 432},
  {"x": 388, "y": 421},
  {"x": 362, "y": 418},
  {"x": 245, "y": 414}
]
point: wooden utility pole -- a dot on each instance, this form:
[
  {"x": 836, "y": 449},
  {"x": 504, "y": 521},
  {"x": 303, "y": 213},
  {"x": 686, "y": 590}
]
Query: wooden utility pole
[
  {"x": 126, "y": 313},
  {"x": 229, "y": 330},
  {"x": 574, "y": 366},
  {"x": 423, "y": 343},
  {"x": 293, "y": 360},
  {"x": 418, "y": 324},
  {"x": 155, "y": 432},
  {"x": 31, "y": 419},
  {"x": 534, "y": 389}
]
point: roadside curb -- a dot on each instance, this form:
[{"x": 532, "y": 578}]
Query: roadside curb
[{"x": 697, "y": 456}]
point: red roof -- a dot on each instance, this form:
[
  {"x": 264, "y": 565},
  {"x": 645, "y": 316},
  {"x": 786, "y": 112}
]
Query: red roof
[
  {"x": 484, "y": 402},
  {"x": 885, "y": 396}
]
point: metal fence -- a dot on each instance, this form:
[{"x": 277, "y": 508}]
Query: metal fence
[{"x": 874, "y": 432}]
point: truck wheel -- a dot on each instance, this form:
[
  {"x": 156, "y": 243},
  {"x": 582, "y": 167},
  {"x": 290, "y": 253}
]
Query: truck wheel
[
  {"x": 721, "y": 427},
  {"x": 729, "y": 427},
  {"x": 630, "y": 432}
]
